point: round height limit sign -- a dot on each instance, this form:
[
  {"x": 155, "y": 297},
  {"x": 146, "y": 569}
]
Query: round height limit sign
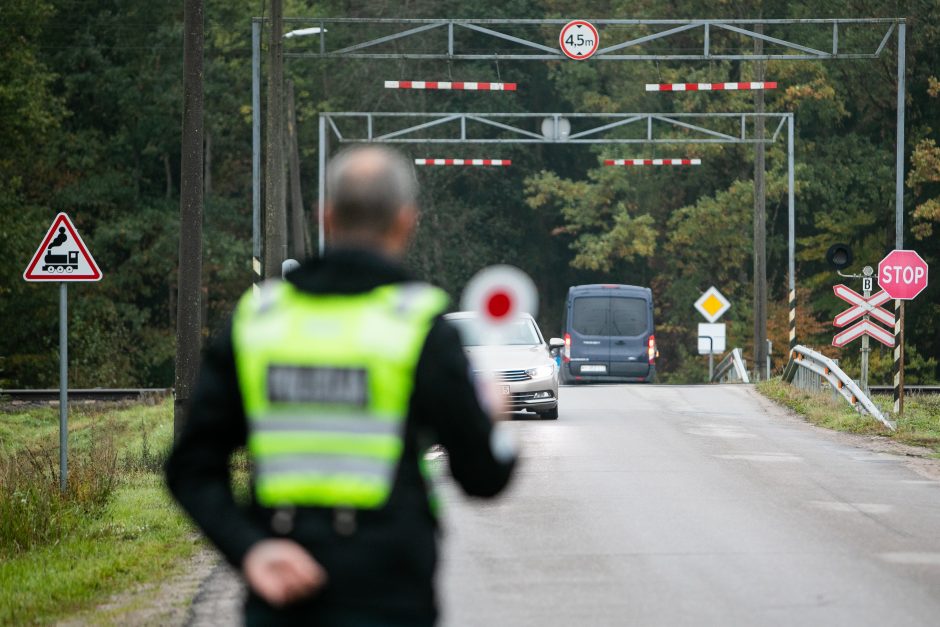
[{"x": 578, "y": 40}]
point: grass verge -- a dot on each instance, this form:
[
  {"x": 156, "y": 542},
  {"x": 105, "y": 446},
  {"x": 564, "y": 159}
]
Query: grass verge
[
  {"x": 115, "y": 529},
  {"x": 919, "y": 426}
]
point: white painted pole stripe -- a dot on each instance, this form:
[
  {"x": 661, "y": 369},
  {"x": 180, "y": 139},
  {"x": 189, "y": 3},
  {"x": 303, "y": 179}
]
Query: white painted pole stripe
[
  {"x": 710, "y": 86},
  {"x": 652, "y": 162},
  {"x": 451, "y": 85},
  {"x": 500, "y": 162}
]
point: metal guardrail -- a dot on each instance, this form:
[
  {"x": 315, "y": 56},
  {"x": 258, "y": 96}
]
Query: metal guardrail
[
  {"x": 804, "y": 359},
  {"x": 91, "y": 394},
  {"x": 731, "y": 368}
]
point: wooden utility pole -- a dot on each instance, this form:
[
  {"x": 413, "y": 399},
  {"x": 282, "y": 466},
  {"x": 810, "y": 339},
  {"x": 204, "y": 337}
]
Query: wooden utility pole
[
  {"x": 275, "y": 211},
  {"x": 189, "y": 301},
  {"x": 298, "y": 223},
  {"x": 760, "y": 219}
]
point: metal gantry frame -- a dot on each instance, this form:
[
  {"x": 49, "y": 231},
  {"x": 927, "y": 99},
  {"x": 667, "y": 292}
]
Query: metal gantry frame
[
  {"x": 469, "y": 127},
  {"x": 450, "y": 40}
]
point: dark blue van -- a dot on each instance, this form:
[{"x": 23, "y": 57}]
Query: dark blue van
[{"x": 609, "y": 334}]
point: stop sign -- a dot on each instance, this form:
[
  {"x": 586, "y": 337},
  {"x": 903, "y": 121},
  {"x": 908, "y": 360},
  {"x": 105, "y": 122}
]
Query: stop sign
[{"x": 902, "y": 274}]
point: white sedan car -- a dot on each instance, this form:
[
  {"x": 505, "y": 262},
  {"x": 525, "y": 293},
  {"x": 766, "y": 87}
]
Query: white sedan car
[{"x": 517, "y": 356}]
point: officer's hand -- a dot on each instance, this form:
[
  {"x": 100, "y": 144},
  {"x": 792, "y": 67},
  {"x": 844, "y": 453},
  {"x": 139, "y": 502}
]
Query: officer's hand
[{"x": 282, "y": 571}]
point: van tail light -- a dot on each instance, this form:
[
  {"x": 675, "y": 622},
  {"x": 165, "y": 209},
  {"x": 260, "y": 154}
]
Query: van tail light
[
  {"x": 651, "y": 349},
  {"x": 567, "y": 355}
]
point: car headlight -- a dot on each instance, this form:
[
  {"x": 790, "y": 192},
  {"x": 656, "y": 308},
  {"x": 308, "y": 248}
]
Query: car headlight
[{"x": 540, "y": 372}]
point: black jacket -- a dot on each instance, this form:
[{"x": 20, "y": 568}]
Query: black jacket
[{"x": 384, "y": 570}]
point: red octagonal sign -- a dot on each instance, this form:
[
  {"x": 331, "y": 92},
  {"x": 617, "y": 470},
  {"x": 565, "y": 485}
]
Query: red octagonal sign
[{"x": 902, "y": 274}]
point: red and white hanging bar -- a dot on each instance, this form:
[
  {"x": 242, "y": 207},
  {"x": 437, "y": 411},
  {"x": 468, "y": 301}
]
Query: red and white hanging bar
[
  {"x": 652, "y": 162},
  {"x": 709, "y": 86},
  {"x": 452, "y": 85},
  {"x": 463, "y": 162}
]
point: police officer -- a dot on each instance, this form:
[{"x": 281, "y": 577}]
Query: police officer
[{"x": 336, "y": 379}]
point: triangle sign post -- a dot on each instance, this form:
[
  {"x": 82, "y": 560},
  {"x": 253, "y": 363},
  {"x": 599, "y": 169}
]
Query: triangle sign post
[{"x": 62, "y": 256}]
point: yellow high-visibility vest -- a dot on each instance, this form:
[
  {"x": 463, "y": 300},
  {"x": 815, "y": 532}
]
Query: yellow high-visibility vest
[{"x": 326, "y": 382}]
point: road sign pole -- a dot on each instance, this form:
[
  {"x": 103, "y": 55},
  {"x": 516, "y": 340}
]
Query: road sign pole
[
  {"x": 865, "y": 347},
  {"x": 899, "y": 358},
  {"x": 63, "y": 385},
  {"x": 711, "y": 355},
  {"x": 770, "y": 350}
]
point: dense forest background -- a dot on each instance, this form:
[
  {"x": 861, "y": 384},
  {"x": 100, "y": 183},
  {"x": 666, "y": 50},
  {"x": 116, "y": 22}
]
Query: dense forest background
[{"x": 90, "y": 110}]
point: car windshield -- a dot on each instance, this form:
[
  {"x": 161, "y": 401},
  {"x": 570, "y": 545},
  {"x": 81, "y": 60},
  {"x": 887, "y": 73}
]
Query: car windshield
[{"x": 520, "y": 332}]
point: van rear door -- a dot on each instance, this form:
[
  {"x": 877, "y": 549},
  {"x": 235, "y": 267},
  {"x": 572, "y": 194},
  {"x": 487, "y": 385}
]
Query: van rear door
[
  {"x": 590, "y": 342},
  {"x": 630, "y": 327}
]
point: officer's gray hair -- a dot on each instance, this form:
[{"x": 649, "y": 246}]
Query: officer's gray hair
[{"x": 367, "y": 186}]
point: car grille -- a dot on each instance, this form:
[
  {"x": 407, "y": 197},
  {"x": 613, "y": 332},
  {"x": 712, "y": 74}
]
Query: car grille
[
  {"x": 507, "y": 375},
  {"x": 512, "y": 375}
]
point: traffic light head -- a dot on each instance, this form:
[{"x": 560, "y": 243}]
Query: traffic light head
[{"x": 839, "y": 256}]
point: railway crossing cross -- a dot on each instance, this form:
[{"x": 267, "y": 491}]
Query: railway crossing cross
[{"x": 864, "y": 306}]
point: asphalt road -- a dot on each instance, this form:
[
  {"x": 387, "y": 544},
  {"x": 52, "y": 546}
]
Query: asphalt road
[{"x": 655, "y": 505}]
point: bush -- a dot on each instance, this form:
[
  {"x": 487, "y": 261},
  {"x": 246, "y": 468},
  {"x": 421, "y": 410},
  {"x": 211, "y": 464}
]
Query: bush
[{"x": 33, "y": 510}]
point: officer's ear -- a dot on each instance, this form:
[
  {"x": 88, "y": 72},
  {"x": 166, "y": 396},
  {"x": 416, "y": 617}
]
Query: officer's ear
[
  {"x": 403, "y": 227},
  {"x": 329, "y": 216}
]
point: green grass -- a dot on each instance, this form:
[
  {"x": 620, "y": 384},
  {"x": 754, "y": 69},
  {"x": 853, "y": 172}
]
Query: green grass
[
  {"x": 23, "y": 426},
  {"x": 918, "y": 426},
  {"x": 67, "y": 559}
]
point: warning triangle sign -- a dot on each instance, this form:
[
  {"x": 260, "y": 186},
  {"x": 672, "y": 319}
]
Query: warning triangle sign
[{"x": 62, "y": 256}]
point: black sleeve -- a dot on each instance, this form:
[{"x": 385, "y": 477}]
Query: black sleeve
[
  {"x": 197, "y": 471},
  {"x": 445, "y": 402}
]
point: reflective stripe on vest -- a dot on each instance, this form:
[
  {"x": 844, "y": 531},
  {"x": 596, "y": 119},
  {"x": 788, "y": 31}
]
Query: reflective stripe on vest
[{"x": 326, "y": 382}]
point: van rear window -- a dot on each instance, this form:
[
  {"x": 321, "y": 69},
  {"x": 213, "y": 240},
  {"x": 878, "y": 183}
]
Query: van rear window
[
  {"x": 603, "y": 315},
  {"x": 589, "y": 315},
  {"x": 628, "y": 316}
]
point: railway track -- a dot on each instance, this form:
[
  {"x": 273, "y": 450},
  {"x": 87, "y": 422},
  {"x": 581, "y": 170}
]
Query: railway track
[
  {"x": 908, "y": 389},
  {"x": 130, "y": 394},
  {"x": 91, "y": 394}
]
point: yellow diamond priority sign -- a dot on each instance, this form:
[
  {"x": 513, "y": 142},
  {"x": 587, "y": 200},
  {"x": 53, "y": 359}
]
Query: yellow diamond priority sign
[{"x": 712, "y": 304}]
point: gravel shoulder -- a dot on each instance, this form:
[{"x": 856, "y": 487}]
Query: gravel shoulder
[
  {"x": 206, "y": 593},
  {"x": 920, "y": 459}
]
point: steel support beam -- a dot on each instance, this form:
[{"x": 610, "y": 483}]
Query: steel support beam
[
  {"x": 321, "y": 186},
  {"x": 624, "y": 39},
  {"x": 899, "y": 149},
  {"x": 520, "y": 128},
  {"x": 791, "y": 234},
  {"x": 256, "y": 148},
  {"x": 899, "y": 220}
]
